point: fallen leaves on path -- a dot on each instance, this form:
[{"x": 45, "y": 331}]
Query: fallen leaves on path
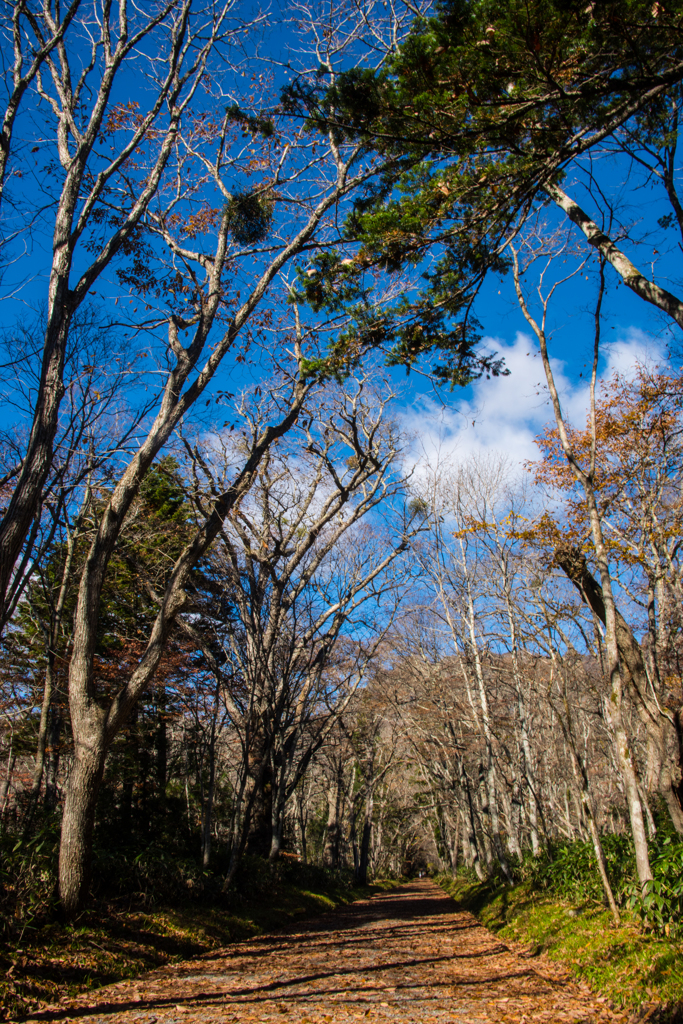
[{"x": 408, "y": 955}]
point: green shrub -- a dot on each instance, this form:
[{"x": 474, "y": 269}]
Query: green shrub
[
  {"x": 28, "y": 877},
  {"x": 161, "y": 874},
  {"x": 661, "y": 904},
  {"x": 569, "y": 871}
]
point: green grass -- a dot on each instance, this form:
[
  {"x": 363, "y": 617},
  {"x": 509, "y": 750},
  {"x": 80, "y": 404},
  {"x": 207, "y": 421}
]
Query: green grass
[
  {"x": 51, "y": 961},
  {"x": 630, "y": 967}
]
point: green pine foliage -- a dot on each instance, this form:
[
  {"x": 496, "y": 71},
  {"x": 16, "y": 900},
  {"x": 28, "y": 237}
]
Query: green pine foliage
[{"x": 483, "y": 107}]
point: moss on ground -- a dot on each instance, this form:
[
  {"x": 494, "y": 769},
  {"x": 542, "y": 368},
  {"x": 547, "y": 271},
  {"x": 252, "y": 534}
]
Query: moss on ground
[
  {"x": 52, "y": 960},
  {"x": 634, "y": 969}
]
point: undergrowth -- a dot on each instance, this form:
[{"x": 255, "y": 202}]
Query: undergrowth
[
  {"x": 569, "y": 870},
  {"x": 147, "y": 909},
  {"x": 557, "y": 906}
]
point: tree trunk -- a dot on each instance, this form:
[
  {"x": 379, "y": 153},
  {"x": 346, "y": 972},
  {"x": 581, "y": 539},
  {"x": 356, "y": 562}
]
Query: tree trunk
[
  {"x": 353, "y": 838},
  {"x": 602, "y": 866},
  {"x": 242, "y": 822},
  {"x": 129, "y": 774},
  {"x": 52, "y": 753},
  {"x": 261, "y": 768},
  {"x": 516, "y": 807},
  {"x": 470, "y": 830},
  {"x": 528, "y": 776},
  {"x": 4, "y": 792},
  {"x": 532, "y": 814},
  {"x": 277, "y": 811},
  {"x": 161, "y": 744},
  {"x": 452, "y": 841},
  {"x": 300, "y": 825},
  {"x": 39, "y": 765},
  {"x": 589, "y": 812},
  {"x": 364, "y": 856},
  {"x": 143, "y": 776},
  {"x": 48, "y": 712},
  {"x": 515, "y": 819},
  {"x": 567, "y": 813},
  {"x": 659, "y": 775},
  {"x": 332, "y": 837},
  {"x": 78, "y": 821},
  {"x": 467, "y": 851},
  {"x": 613, "y": 621},
  {"x": 669, "y": 793},
  {"x": 276, "y": 838},
  {"x": 490, "y": 799},
  {"x": 207, "y": 815},
  {"x": 629, "y": 778},
  {"x": 483, "y": 815}
]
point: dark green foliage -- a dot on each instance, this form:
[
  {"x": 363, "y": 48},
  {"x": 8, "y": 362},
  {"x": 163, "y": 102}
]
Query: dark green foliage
[
  {"x": 162, "y": 494},
  {"x": 254, "y": 125},
  {"x": 256, "y": 878},
  {"x": 507, "y": 86},
  {"x": 482, "y": 108},
  {"x": 662, "y": 903},
  {"x": 249, "y": 216},
  {"x": 153, "y": 537},
  {"x": 28, "y": 877},
  {"x": 166, "y": 872},
  {"x": 571, "y": 872}
]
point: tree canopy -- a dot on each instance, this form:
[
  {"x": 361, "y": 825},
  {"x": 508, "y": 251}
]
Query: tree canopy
[{"x": 485, "y": 108}]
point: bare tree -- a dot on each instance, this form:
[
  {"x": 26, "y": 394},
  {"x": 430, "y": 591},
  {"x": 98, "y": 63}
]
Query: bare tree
[
  {"x": 98, "y": 194},
  {"x": 585, "y": 476},
  {"x": 294, "y": 575},
  {"x": 257, "y": 232}
]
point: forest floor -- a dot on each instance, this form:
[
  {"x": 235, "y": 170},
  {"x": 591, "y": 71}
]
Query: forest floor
[
  {"x": 638, "y": 971},
  {"x": 408, "y": 954},
  {"x": 43, "y": 959}
]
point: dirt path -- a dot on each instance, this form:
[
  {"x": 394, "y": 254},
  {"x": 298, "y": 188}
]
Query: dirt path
[{"x": 407, "y": 955}]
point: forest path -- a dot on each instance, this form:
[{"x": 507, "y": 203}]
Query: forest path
[{"x": 406, "y": 955}]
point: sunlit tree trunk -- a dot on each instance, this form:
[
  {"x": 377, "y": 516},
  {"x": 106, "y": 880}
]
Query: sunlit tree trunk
[{"x": 614, "y": 709}]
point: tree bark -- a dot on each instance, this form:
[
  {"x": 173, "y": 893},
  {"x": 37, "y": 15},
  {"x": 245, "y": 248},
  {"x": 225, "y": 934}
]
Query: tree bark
[
  {"x": 41, "y": 744},
  {"x": 279, "y": 801},
  {"x": 630, "y": 275},
  {"x": 332, "y": 832},
  {"x": 572, "y": 561},
  {"x": 4, "y": 792},
  {"x": 364, "y": 853},
  {"x": 470, "y": 824},
  {"x": 589, "y": 813},
  {"x": 207, "y": 815},
  {"x": 53, "y": 752},
  {"x": 75, "y": 858}
]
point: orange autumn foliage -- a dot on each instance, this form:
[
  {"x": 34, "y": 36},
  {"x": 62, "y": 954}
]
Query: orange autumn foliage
[{"x": 638, "y": 471}]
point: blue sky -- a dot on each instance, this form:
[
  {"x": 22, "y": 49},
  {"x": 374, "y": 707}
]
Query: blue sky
[{"x": 504, "y": 413}]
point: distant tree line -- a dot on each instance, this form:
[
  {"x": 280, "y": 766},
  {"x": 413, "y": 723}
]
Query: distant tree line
[{"x": 238, "y": 615}]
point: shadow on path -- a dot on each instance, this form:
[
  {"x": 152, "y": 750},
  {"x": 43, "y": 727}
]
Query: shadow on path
[{"x": 407, "y": 955}]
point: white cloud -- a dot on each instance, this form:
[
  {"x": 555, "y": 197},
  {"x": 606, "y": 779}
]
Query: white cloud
[{"x": 504, "y": 414}]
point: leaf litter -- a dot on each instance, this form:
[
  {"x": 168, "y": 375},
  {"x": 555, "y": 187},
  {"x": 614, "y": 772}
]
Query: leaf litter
[{"x": 408, "y": 955}]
